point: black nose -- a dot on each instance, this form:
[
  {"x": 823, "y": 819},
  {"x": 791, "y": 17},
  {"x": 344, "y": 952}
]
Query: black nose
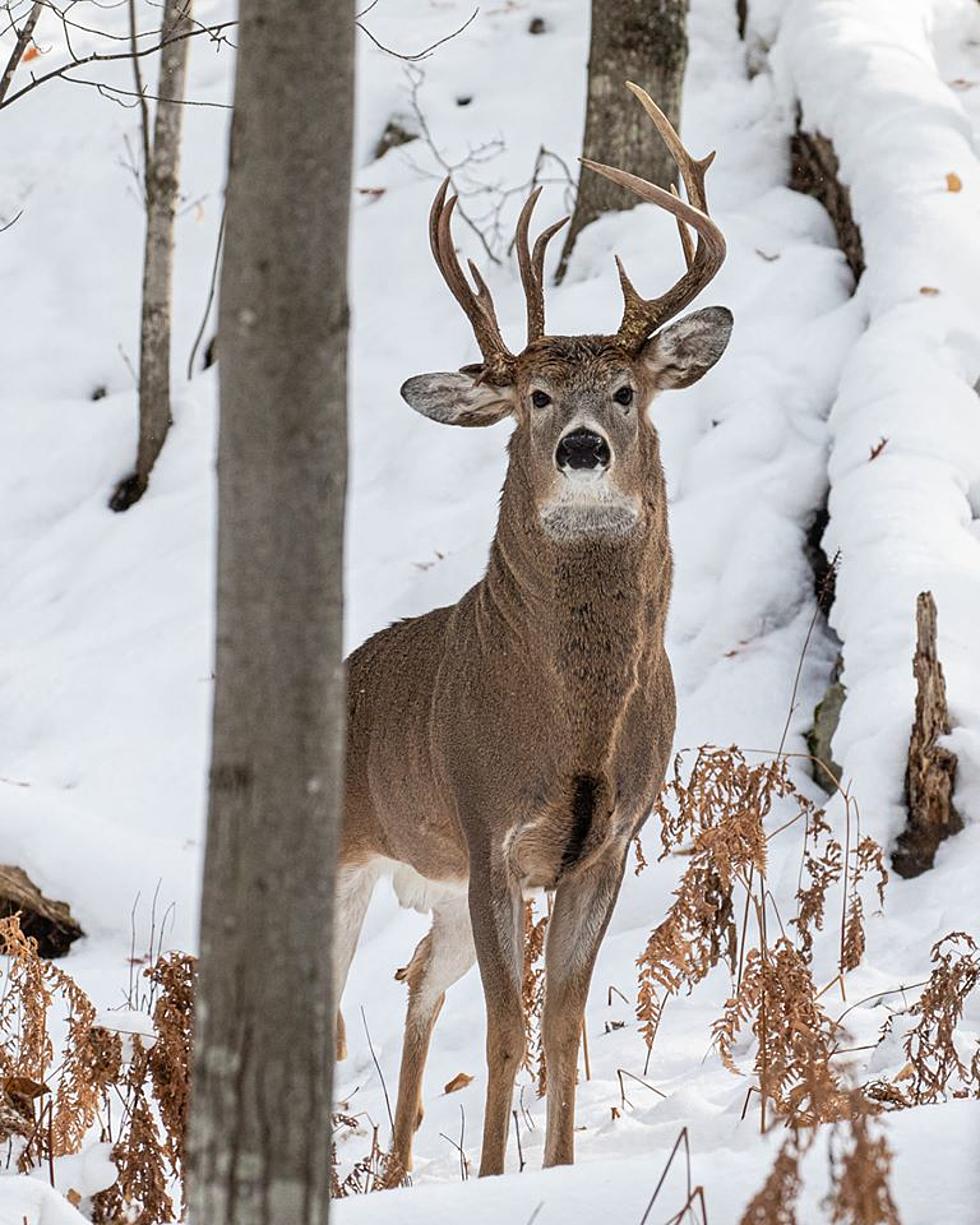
[{"x": 582, "y": 449}]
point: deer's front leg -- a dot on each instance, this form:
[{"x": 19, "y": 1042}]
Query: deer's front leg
[
  {"x": 496, "y": 914},
  {"x": 582, "y": 908}
]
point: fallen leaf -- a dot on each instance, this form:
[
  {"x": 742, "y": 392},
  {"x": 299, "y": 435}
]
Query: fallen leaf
[
  {"x": 459, "y": 1081},
  {"x": 954, "y": 182},
  {"x": 906, "y": 1072},
  {"x": 372, "y": 193},
  {"x": 614, "y": 1110},
  {"x": 32, "y": 52},
  {"x": 877, "y": 449},
  {"x": 961, "y": 83},
  {"x": 73, "y": 1197},
  {"x": 928, "y": 291}
]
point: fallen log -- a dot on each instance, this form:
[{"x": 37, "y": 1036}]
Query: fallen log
[{"x": 50, "y": 923}]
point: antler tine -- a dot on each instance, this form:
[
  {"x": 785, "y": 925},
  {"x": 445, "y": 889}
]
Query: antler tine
[
  {"x": 478, "y": 306},
  {"x": 692, "y": 169},
  {"x": 684, "y": 232},
  {"x": 642, "y": 316},
  {"x": 532, "y": 265}
]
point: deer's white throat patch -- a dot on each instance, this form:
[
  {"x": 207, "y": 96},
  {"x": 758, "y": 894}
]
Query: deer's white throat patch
[{"x": 586, "y": 503}]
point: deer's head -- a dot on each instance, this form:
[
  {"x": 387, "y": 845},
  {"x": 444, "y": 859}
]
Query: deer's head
[{"x": 584, "y": 445}]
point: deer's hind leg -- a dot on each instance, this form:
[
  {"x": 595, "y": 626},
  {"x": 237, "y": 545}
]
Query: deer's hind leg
[
  {"x": 352, "y": 893},
  {"x": 441, "y": 958}
]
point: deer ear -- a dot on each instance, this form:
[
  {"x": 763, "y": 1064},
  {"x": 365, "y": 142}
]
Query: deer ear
[
  {"x": 458, "y": 398},
  {"x": 683, "y": 352}
]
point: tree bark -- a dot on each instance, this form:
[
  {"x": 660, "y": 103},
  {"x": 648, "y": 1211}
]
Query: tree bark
[
  {"x": 930, "y": 776},
  {"x": 644, "y": 41},
  {"x": 20, "y": 46},
  {"x": 162, "y": 181},
  {"x": 259, "y": 1141}
]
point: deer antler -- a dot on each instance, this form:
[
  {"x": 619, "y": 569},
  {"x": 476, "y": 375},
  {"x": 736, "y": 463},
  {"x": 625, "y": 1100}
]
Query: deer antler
[
  {"x": 532, "y": 265},
  {"x": 642, "y": 316},
  {"x": 498, "y": 361}
]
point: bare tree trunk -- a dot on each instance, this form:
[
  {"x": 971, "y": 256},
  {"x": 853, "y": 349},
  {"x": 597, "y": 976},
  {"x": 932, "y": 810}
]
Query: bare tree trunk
[
  {"x": 260, "y": 1119},
  {"x": 162, "y": 179},
  {"x": 20, "y": 46},
  {"x": 644, "y": 41}
]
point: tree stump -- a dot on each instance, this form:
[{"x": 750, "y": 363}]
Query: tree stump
[
  {"x": 931, "y": 772},
  {"x": 49, "y": 923}
]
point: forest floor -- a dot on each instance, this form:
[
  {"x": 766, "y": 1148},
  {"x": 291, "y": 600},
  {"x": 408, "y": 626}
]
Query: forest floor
[{"x": 106, "y": 621}]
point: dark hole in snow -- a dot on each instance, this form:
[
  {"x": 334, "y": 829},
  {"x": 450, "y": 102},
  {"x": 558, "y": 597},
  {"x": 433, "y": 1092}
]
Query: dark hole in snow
[
  {"x": 100, "y": 392},
  {"x": 536, "y": 25},
  {"x": 464, "y": 100}
]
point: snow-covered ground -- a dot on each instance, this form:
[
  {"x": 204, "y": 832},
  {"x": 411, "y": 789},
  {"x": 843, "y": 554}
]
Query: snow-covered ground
[{"x": 106, "y": 621}]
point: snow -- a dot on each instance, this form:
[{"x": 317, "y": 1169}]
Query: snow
[{"x": 106, "y": 624}]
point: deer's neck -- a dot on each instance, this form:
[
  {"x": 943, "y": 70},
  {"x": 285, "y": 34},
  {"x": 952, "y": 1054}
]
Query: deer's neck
[{"x": 588, "y": 613}]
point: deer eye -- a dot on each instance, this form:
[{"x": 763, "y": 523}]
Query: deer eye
[
  {"x": 540, "y": 399},
  {"x": 623, "y": 395}
]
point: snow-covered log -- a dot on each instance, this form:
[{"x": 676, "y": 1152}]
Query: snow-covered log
[{"x": 904, "y": 431}]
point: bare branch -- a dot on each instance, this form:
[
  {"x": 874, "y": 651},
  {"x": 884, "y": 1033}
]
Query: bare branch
[
  {"x": 138, "y": 81},
  {"x": 215, "y": 32},
  {"x": 418, "y": 55},
  {"x": 208, "y": 304}
]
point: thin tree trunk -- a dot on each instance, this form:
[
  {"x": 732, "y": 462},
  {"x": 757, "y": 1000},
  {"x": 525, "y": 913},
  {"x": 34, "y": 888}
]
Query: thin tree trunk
[
  {"x": 644, "y": 41},
  {"x": 162, "y": 180},
  {"x": 20, "y": 46},
  {"x": 259, "y": 1141}
]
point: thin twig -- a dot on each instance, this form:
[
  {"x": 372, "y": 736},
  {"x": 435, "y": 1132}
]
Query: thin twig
[
  {"x": 418, "y": 55},
  {"x": 210, "y": 301},
  {"x": 97, "y": 57},
  {"x": 520, "y": 1150},
  {"x": 381, "y": 1074},
  {"x": 681, "y": 1139},
  {"x": 621, "y": 1072},
  {"x": 138, "y": 81}
]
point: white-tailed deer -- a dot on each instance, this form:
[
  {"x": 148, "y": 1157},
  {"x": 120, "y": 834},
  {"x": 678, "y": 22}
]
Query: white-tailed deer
[{"x": 517, "y": 739}]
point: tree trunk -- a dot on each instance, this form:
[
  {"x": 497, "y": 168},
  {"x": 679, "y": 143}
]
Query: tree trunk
[
  {"x": 260, "y": 1119},
  {"x": 162, "y": 183},
  {"x": 20, "y": 46},
  {"x": 644, "y": 41}
]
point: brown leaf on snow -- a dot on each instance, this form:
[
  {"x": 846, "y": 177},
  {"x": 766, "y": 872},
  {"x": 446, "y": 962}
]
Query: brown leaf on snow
[
  {"x": 73, "y": 1197},
  {"x": 954, "y": 182},
  {"x": 928, "y": 291},
  {"x": 459, "y": 1081}
]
